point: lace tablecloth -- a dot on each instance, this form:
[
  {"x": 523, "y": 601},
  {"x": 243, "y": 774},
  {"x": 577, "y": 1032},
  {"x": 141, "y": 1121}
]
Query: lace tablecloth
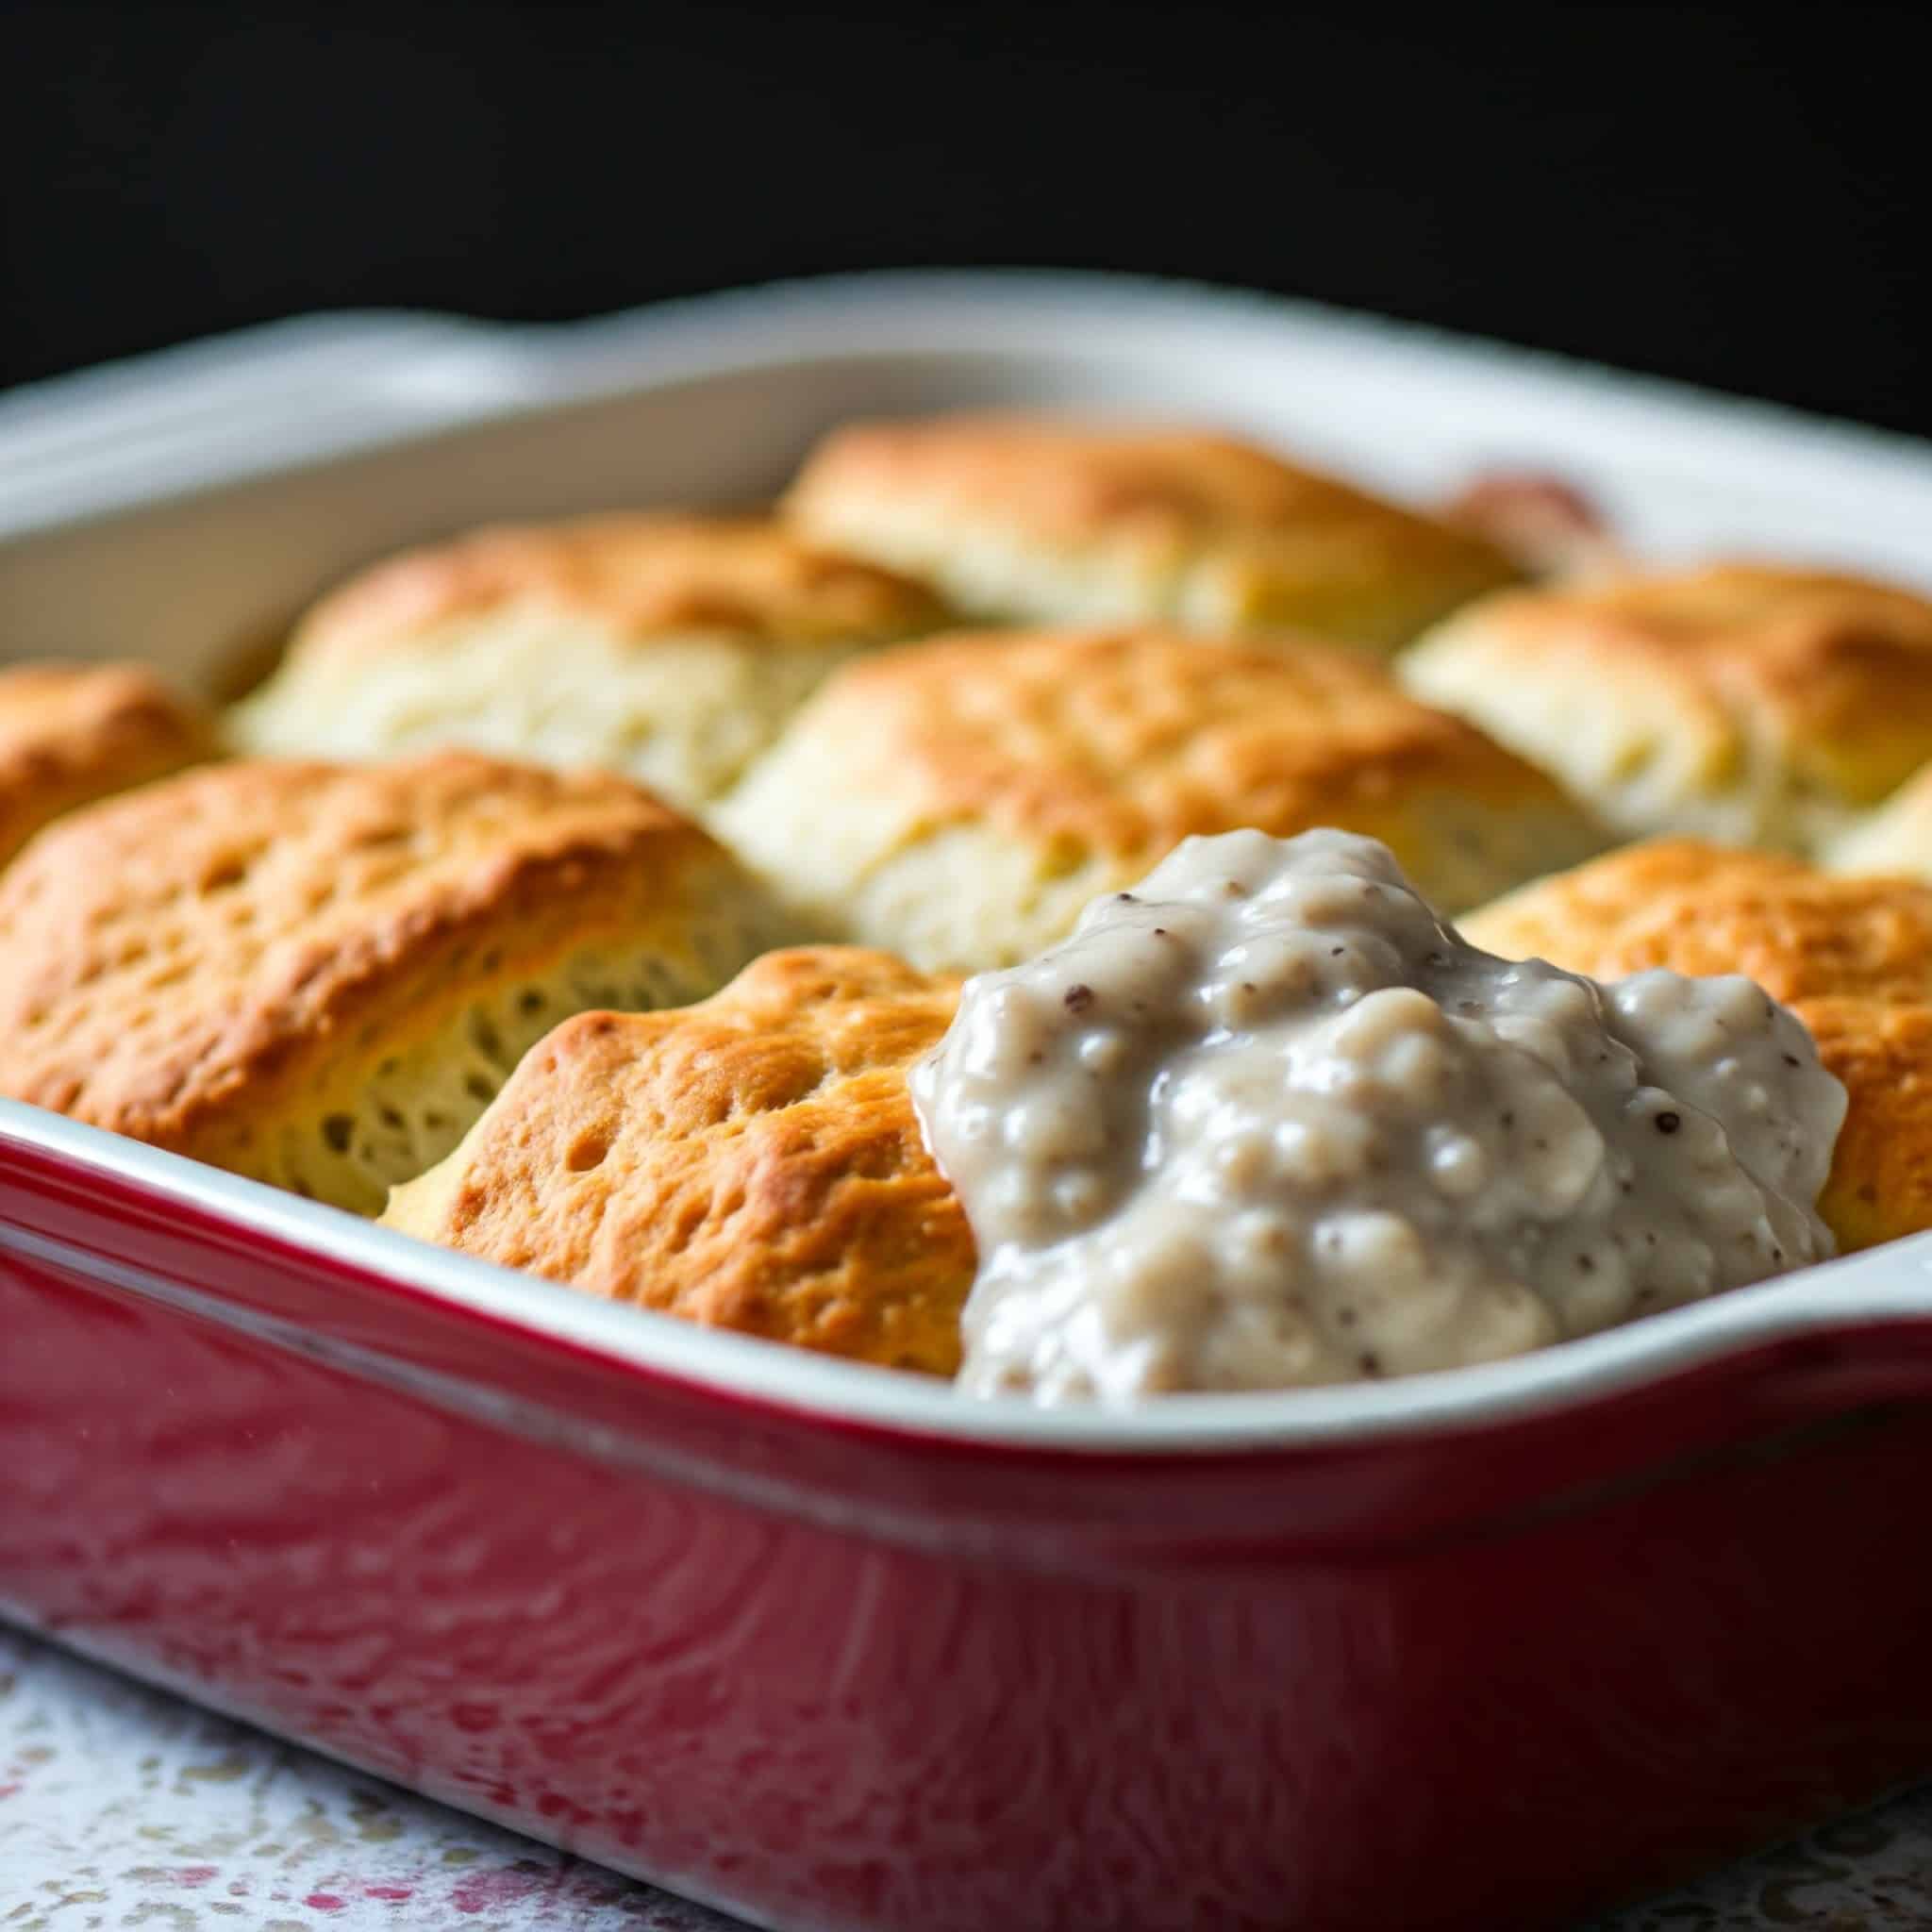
[{"x": 121, "y": 1807}]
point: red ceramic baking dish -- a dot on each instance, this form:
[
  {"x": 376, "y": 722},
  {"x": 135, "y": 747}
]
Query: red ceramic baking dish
[{"x": 828, "y": 1645}]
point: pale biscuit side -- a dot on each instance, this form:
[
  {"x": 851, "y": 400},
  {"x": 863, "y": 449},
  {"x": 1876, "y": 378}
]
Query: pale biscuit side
[
  {"x": 960, "y": 800},
  {"x": 1744, "y": 703},
  {"x": 666, "y": 647},
  {"x": 318, "y": 975}
]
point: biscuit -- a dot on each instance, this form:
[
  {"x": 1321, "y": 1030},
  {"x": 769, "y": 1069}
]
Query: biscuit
[
  {"x": 1897, "y": 838},
  {"x": 1743, "y": 703},
  {"x": 319, "y": 975},
  {"x": 73, "y": 733},
  {"x": 959, "y": 801},
  {"x": 1039, "y": 520},
  {"x": 751, "y": 1164},
  {"x": 669, "y": 648},
  {"x": 1853, "y": 958}
]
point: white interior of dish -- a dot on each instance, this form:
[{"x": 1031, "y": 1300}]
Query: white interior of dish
[{"x": 188, "y": 503}]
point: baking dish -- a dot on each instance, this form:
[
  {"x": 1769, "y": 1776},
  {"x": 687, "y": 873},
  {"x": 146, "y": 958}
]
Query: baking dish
[{"x": 820, "y": 1644}]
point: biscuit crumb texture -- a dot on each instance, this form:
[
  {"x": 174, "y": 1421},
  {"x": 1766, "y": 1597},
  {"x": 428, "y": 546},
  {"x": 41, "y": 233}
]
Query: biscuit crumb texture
[
  {"x": 72, "y": 733},
  {"x": 751, "y": 1164},
  {"x": 318, "y": 975},
  {"x": 1851, "y": 957},
  {"x": 667, "y": 648},
  {"x": 1060, "y": 519},
  {"x": 960, "y": 800},
  {"x": 1897, "y": 838}
]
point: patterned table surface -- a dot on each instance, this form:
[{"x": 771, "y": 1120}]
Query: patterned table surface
[{"x": 119, "y": 1806}]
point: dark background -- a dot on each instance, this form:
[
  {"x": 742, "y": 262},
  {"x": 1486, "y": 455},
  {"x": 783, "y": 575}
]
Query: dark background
[{"x": 1736, "y": 197}]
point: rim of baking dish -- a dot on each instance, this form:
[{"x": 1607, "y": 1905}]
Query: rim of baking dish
[
  {"x": 1885, "y": 1285},
  {"x": 953, "y": 310},
  {"x": 397, "y": 376}
]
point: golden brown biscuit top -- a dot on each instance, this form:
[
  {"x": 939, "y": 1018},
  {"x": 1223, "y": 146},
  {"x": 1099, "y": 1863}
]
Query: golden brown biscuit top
[
  {"x": 643, "y": 574},
  {"x": 46, "y": 706},
  {"x": 1071, "y": 479},
  {"x": 70, "y": 732},
  {"x": 1129, "y": 741},
  {"x": 753, "y": 1163},
  {"x": 169, "y": 949},
  {"x": 1852, "y": 956},
  {"x": 1840, "y": 668},
  {"x": 1801, "y": 934}
]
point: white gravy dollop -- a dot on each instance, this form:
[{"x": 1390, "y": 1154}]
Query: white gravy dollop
[{"x": 1266, "y": 1122}]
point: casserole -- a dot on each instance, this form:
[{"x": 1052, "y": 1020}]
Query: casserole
[{"x": 824, "y": 1644}]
